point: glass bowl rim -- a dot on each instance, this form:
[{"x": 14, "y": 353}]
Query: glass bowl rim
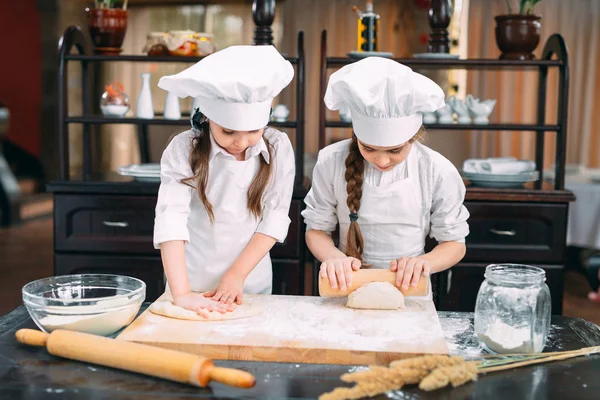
[{"x": 34, "y": 300}]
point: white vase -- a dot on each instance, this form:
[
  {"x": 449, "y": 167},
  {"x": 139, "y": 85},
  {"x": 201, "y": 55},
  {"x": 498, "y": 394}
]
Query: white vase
[
  {"x": 195, "y": 104},
  {"x": 144, "y": 108},
  {"x": 172, "y": 106}
]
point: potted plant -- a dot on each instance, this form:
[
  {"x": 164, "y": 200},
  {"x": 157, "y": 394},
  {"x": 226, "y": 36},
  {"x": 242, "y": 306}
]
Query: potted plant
[
  {"x": 107, "y": 21},
  {"x": 518, "y": 34}
]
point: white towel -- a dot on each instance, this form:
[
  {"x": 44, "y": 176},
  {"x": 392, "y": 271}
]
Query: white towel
[{"x": 499, "y": 165}]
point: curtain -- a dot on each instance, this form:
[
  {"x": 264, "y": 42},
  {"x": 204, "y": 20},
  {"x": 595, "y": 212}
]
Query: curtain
[{"x": 578, "y": 22}]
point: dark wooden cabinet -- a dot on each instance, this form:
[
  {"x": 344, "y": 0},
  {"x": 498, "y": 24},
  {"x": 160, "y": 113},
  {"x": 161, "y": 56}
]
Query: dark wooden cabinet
[
  {"x": 519, "y": 232},
  {"x": 286, "y": 277},
  {"x": 99, "y": 229},
  {"x": 457, "y": 288},
  {"x": 117, "y": 224},
  {"x": 516, "y": 232},
  {"x": 146, "y": 268}
]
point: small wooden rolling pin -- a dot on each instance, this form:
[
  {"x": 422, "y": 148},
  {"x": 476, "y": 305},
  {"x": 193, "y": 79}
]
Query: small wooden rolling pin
[
  {"x": 363, "y": 276},
  {"x": 154, "y": 361}
]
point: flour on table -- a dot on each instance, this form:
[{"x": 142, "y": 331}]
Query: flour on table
[
  {"x": 165, "y": 307},
  {"x": 376, "y": 296}
]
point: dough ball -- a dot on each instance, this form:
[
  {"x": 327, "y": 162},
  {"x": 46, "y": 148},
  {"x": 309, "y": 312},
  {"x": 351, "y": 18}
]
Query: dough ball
[{"x": 376, "y": 296}]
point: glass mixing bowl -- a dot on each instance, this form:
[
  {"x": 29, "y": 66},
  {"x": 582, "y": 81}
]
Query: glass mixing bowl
[{"x": 92, "y": 303}]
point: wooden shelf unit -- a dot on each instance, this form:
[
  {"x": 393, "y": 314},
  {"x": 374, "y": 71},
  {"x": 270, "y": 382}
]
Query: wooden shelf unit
[{"x": 522, "y": 225}]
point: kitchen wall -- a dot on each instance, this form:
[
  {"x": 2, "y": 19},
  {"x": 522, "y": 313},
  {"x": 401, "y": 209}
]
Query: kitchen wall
[{"x": 20, "y": 72}]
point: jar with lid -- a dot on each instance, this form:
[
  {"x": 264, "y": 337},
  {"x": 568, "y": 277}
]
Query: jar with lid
[
  {"x": 512, "y": 313},
  {"x": 182, "y": 43},
  {"x": 155, "y": 44},
  {"x": 205, "y": 44}
]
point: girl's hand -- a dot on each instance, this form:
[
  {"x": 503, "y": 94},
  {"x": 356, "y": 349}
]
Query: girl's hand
[
  {"x": 409, "y": 270},
  {"x": 230, "y": 289},
  {"x": 200, "y": 304},
  {"x": 339, "y": 270}
]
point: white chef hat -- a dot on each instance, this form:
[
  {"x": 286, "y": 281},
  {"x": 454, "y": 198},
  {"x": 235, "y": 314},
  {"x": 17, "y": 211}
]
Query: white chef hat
[
  {"x": 234, "y": 87},
  {"x": 385, "y": 98}
]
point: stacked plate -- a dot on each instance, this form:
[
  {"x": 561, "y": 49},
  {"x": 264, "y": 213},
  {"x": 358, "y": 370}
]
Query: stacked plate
[
  {"x": 141, "y": 172},
  {"x": 436, "y": 56},
  {"x": 365, "y": 54},
  {"x": 501, "y": 181}
]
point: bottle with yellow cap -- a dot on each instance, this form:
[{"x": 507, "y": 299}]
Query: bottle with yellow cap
[{"x": 368, "y": 27}]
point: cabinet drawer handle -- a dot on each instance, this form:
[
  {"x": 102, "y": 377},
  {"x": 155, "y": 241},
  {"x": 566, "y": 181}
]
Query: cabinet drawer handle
[
  {"x": 503, "y": 233},
  {"x": 116, "y": 224}
]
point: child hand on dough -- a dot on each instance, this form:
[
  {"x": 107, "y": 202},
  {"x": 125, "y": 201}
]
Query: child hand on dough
[{"x": 200, "y": 304}]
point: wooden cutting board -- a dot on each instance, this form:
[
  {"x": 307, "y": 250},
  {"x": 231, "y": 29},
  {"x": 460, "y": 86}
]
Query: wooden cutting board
[{"x": 301, "y": 329}]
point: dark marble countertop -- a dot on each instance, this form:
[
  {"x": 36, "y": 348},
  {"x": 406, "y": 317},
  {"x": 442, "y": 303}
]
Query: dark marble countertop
[{"x": 31, "y": 373}]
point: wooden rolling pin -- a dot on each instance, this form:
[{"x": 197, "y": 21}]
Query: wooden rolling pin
[
  {"x": 363, "y": 276},
  {"x": 154, "y": 361}
]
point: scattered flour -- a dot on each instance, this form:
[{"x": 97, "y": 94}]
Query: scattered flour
[
  {"x": 400, "y": 395},
  {"x": 50, "y": 390},
  {"x": 503, "y": 338},
  {"x": 358, "y": 368},
  {"x": 460, "y": 335}
]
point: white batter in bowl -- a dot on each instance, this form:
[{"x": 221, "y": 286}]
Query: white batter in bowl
[{"x": 91, "y": 303}]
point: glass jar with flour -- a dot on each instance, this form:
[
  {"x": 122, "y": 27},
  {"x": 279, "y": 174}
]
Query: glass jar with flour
[{"x": 512, "y": 314}]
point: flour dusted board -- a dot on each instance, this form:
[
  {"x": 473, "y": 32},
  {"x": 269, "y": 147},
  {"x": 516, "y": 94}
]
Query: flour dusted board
[{"x": 301, "y": 329}]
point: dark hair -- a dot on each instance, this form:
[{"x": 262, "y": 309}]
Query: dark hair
[
  {"x": 199, "y": 158},
  {"x": 355, "y": 168}
]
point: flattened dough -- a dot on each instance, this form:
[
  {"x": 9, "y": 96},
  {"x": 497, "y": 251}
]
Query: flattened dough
[
  {"x": 165, "y": 307},
  {"x": 376, "y": 296}
]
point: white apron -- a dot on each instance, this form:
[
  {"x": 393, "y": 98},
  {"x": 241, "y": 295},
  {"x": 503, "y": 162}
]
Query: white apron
[
  {"x": 391, "y": 218},
  {"x": 214, "y": 247}
]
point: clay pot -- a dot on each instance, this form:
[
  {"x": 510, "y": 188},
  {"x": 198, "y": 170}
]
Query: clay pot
[
  {"x": 517, "y": 36},
  {"x": 107, "y": 29}
]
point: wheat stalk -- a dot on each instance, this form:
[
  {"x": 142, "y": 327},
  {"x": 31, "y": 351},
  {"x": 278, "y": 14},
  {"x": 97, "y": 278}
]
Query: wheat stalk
[
  {"x": 434, "y": 372},
  {"x": 541, "y": 358}
]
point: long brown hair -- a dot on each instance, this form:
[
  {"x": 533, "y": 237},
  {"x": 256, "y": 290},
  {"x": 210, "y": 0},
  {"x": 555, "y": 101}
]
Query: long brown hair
[
  {"x": 199, "y": 158},
  {"x": 355, "y": 168}
]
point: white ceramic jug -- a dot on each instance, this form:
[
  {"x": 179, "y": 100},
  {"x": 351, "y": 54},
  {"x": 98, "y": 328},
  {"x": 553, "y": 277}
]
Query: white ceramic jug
[
  {"x": 172, "y": 106},
  {"x": 144, "y": 108}
]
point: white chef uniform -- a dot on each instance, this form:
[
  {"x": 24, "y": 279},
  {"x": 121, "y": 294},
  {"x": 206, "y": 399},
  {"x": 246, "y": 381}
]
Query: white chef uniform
[
  {"x": 235, "y": 88},
  {"x": 421, "y": 196}
]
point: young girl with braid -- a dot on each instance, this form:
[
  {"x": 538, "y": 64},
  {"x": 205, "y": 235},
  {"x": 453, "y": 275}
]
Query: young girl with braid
[
  {"x": 226, "y": 184},
  {"x": 385, "y": 190}
]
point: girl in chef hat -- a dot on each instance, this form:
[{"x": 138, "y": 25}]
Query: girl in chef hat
[
  {"x": 226, "y": 184},
  {"x": 384, "y": 188}
]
